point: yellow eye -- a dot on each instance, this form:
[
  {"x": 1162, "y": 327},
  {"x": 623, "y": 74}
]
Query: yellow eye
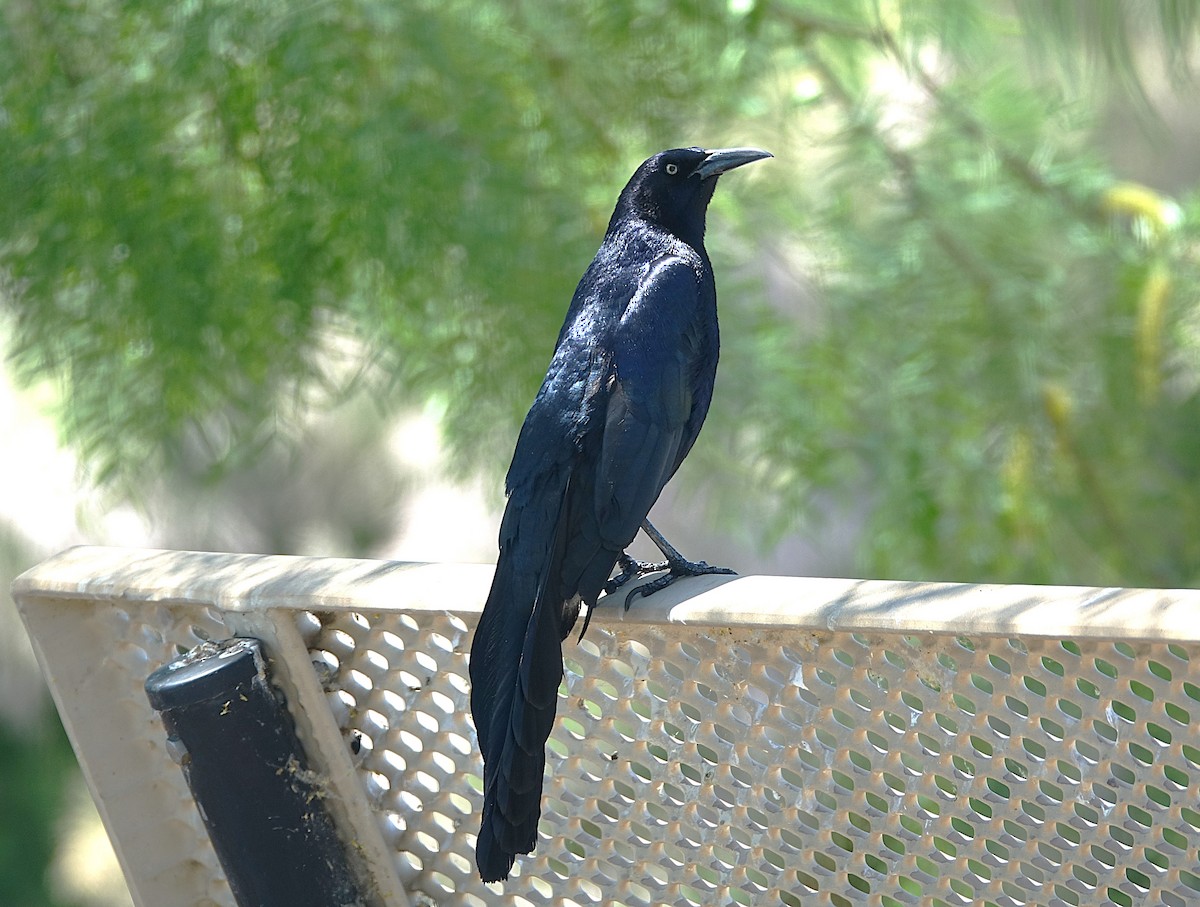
[{"x": 672, "y": 169}]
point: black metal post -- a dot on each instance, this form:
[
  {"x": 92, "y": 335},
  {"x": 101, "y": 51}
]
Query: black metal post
[{"x": 263, "y": 808}]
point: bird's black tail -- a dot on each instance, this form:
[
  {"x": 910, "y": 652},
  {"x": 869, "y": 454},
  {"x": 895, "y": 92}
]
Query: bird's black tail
[{"x": 516, "y": 669}]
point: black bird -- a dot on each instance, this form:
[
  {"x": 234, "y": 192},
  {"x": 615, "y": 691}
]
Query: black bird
[{"x": 623, "y": 400}]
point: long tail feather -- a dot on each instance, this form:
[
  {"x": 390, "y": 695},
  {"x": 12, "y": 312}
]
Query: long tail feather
[{"x": 516, "y": 669}]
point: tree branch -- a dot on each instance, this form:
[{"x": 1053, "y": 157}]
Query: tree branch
[
  {"x": 1016, "y": 166},
  {"x": 905, "y": 166}
]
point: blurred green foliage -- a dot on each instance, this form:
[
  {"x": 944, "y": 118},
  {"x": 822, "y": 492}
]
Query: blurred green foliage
[
  {"x": 34, "y": 762},
  {"x": 940, "y": 304}
]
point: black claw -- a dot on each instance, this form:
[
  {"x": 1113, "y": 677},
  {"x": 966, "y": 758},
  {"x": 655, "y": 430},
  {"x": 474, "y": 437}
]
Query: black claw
[
  {"x": 680, "y": 568},
  {"x": 701, "y": 568},
  {"x": 617, "y": 582},
  {"x": 650, "y": 588},
  {"x": 631, "y": 568}
]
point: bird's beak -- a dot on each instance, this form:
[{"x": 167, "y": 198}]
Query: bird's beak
[{"x": 723, "y": 159}]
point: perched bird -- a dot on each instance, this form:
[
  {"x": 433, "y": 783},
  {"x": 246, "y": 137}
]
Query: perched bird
[{"x": 623, "y": 400}]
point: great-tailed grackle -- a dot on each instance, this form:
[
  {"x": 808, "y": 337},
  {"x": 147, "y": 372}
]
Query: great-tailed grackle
[{"x": 623, "y": 400}]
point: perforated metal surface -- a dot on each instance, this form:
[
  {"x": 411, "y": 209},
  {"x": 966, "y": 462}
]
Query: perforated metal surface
[
  {"x": 863, "y": 754},
  {"x": 776, "y": 767},
  {"x": 100, "y": 666}
]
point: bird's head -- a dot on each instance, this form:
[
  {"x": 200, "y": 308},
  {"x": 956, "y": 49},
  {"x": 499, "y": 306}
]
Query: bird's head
[{"x": 673, "y": 188}]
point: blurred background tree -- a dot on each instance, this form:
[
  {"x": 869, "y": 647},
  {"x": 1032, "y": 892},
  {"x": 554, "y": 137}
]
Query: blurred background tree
[{"x": 959, "y": 308}]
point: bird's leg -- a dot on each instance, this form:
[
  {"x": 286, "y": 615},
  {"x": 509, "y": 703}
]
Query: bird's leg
[
  {"x": 631, "y": 568},
  {"x": 676, "y": 563}
]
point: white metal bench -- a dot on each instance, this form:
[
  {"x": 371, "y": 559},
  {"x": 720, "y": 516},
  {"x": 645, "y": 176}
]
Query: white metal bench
[{"x": 758, "y": 740}]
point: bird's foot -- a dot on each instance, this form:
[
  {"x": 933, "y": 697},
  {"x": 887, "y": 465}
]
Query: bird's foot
[
  {"x": 631, "y": 568},
  {"x": 677, "y": 567}
]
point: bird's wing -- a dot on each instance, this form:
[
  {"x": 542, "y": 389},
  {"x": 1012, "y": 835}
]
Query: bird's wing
[
  {"x": 652, "y": 393},
  {"x": 535, "y": 527},
  {"x": 516, "y": 660},
  {"x": 565, "y": 410}
]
